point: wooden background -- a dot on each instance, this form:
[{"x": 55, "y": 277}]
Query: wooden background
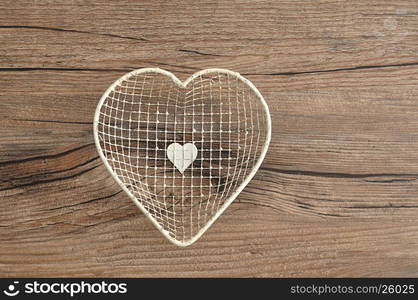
[{"x": 337, "y": 194}]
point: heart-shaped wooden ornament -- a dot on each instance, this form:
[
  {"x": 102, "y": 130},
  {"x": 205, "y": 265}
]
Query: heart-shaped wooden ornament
[
  {"x": 182, "y": 151},
  {"x": 182, "y": 156}
]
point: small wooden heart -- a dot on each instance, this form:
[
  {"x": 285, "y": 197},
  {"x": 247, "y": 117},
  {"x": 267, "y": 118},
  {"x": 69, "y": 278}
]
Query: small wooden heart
[
  {"x": 181, "y": 156},
  {"x": 182, "y": 151}
]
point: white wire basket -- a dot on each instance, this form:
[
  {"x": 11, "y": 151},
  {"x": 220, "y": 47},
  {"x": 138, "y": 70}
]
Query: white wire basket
[{"x": 182, "y": 151}]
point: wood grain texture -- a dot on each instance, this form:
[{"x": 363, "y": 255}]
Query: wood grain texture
[{"x": 337, "y": 194}]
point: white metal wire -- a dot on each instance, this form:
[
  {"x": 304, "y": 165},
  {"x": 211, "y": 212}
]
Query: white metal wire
[{"x": 148, "y": 116}]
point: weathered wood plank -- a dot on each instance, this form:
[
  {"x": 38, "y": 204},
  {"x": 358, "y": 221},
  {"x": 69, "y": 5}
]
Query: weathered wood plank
[
  {"x": 336, "y": 196},
  {"x": 259, "y": 37}
]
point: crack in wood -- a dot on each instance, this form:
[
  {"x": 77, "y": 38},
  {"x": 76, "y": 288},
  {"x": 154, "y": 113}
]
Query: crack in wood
[
  {"x": 51, "y": 173},
  {"x": 73, "y": 31},
  {"x": 53, "y": 121},
  {"x": 175, "y": 66},
  {"x": 49, "y": 156},
  {"x": 28, "y": 69},
  {"x": 391, "y": 180},
  {"x": 49, "y": 180},
  {"x": 356, "y": 68},
  {"x": 381, "y": 206},
  {"x": 336, "y": 175},
  {"x": 198, "y": 52}
]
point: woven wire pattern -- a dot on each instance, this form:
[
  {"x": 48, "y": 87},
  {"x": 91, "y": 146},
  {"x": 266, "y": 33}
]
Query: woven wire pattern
[{"x": 146, "y": 112}]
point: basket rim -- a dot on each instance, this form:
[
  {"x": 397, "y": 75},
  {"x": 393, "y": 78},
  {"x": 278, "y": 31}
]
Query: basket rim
[{"x": 184, "y": 84}]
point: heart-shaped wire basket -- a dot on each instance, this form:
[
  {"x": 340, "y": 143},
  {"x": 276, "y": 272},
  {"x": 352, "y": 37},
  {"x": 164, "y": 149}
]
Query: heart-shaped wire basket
[{"x": 218, "y": 112}]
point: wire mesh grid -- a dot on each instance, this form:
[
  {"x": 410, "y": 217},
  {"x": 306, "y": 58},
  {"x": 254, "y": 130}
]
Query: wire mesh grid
[{"x": 217, "y": 111}]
